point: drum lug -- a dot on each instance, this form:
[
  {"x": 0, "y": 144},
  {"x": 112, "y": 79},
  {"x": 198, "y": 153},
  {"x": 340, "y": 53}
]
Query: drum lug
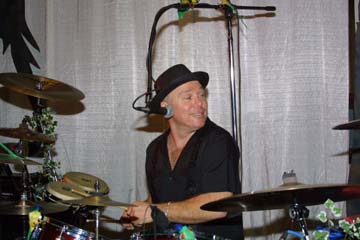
[
  {"x": 63, "y": 230},
  {"x": 136, "y": 236}
]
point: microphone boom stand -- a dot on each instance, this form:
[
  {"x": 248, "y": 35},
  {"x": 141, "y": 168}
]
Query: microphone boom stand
[
  {"x": 228, "y": 10},
  {"x": 229, "y": 16}
]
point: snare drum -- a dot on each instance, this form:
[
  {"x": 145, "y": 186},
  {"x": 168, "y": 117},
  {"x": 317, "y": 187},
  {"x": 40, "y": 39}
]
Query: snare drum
[
  {"x": 86, "y": 182},
  {"x": 53, "y": 229}
]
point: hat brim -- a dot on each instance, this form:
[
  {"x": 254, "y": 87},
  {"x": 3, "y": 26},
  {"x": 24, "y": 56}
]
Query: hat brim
[{"x": 202, "y": 77}]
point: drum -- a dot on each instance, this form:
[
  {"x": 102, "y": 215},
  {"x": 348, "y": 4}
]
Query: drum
[
  {"x": 62, "y": 191},
  {"x": 53, "y": 229},
  {"x": 86, "y": 182}
]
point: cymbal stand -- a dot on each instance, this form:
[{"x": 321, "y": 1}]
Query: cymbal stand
[
  {"x": 21, "y": 150},
  {"x": 97, "y": 210},
  {"x": 97, "y": 223},
  {"x": 300, "y": 213}
]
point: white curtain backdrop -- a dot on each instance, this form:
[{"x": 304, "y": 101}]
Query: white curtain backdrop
[{"x": 294, "y": 89}]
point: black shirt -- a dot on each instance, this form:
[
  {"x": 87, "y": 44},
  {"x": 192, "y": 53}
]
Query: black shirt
[{"x": 209, "y": 162}]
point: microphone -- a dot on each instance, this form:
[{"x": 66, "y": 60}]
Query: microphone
[{"x": 167, "y": 111}]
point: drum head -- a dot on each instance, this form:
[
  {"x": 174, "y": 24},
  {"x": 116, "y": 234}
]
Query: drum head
[
  {"x": 86, "y": 182},
  {"x": 64, "y": 191}
]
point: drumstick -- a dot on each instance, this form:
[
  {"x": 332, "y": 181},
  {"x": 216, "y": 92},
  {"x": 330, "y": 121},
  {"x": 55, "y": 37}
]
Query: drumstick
[
  {"x": 69, "y": 189},
  {"x": 83, "y": 194}
]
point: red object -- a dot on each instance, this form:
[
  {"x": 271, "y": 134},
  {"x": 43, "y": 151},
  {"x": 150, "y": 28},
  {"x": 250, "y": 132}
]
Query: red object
[{"x": 352, "y": 219}]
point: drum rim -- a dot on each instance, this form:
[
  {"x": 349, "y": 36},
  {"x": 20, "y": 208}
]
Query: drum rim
[
  {"x": 70, "y": 229},
  {"x": 175, "y": 235}
]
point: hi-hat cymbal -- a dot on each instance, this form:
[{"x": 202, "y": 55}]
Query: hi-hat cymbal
[
  {"x": 86, "y": 182},
  {"x": 24, "y": 133},
  {"x": 355, "y": 124},
  {"x": 5, "y": 158},
  {"x": 24, "y": 207},
  {"x": 40, "y": 87},
  {"x": 284, "y": 197},
  {"x": 98, "y": 201}
]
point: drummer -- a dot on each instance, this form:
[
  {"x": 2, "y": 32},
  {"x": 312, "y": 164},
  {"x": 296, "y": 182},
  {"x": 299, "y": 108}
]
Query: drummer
[{"x": 192, "y": 163}]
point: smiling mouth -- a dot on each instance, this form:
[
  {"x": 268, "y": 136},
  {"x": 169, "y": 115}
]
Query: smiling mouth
[{"x": 198, "y": 115}]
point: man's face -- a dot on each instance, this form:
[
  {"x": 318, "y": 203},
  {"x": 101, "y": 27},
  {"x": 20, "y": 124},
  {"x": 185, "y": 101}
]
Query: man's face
[{"x": 190, "y": 106}]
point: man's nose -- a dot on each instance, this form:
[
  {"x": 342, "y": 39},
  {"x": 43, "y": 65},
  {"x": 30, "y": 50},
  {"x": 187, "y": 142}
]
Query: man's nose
[{"x": 199, "y": 101}]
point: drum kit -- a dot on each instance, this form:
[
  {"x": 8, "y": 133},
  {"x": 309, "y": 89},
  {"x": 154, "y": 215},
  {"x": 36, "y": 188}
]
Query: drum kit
[
  {"x": 84, "y": 190},
  {"x": 74, "y": 190}
]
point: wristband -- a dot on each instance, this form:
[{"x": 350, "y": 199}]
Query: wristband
[{"x": 161, "y": 221}]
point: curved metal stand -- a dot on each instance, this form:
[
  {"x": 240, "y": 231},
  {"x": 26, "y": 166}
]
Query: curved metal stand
[
  {"x": 229, "y": 14},
  {"x": 229, "y": 17}
]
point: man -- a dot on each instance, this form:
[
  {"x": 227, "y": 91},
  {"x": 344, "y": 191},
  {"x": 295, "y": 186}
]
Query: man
[{"x": 194, "y": 162}]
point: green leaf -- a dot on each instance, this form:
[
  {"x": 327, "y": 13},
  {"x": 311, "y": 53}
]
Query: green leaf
[
  {"x": 345, "y": 225},
  {"x": 322, "y": 216},
  {"x": 336, "y": 211},
  {"x": 329, "y": 204},
  {"x": 320, "y": 234}
]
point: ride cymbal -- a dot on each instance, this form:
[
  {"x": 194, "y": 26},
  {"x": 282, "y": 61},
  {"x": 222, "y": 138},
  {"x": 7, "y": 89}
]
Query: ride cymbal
[
  {"x": 98, "y": 201},
  {"x": 355, "y": 124},
  {"x": 8, "y": 159},
  {"x": 24, "y": 133},
  {"x": 24, "y": 207},
  {"x": 284, "y": 197},
  {"x": 40, "y": 87}
]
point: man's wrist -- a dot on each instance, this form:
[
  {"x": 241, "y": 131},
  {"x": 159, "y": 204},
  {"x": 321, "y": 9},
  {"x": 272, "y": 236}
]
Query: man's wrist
[{"x": 167, "y": 209}]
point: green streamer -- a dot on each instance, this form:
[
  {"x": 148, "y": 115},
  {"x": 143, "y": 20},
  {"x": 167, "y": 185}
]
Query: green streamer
[{"x": 9, "y": 151}]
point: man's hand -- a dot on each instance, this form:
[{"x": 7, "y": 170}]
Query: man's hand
[{"x": 136, "y": 216}]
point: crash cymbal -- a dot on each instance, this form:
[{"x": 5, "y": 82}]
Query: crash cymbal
[
  {"x": 355, "y": 124},
  {"x": 86, "y": 182},
  {"x": 65, "y": 191},
  {"x": 24, "y": 133},
  {"x": 40, "y": 87},
  {"x": 98, "y": 201},
  {"x": 23, "y": 207},
  {"x": 284, "y": 197},
  {"x": 8, "y": 159}
]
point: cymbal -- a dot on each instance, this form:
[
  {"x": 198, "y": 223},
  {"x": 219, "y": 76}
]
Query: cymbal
[
  {"x": 284, "y": 197},
  {"x": 40, "y": 87},
  {"x": 355, "y": 124},
  {"x": 5, "y": 158},
  {"x": 86, "y": 182},
  {"x": 98, "y": 201},
  {"x": 24, "y": 207},
  {"x": 24, "y": 133},
  {"x": 65, "y": 191}
]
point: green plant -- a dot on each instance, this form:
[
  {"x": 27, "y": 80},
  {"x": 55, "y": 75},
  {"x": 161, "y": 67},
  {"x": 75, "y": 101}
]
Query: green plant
[
  {"x": 44, "y": 121},
  {"x": 349, "y": 229},
  {"x": 330, "y": 207}
]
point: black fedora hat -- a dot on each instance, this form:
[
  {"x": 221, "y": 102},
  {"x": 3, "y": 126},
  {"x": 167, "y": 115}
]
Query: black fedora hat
[{"x": 174, "y": 77}]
